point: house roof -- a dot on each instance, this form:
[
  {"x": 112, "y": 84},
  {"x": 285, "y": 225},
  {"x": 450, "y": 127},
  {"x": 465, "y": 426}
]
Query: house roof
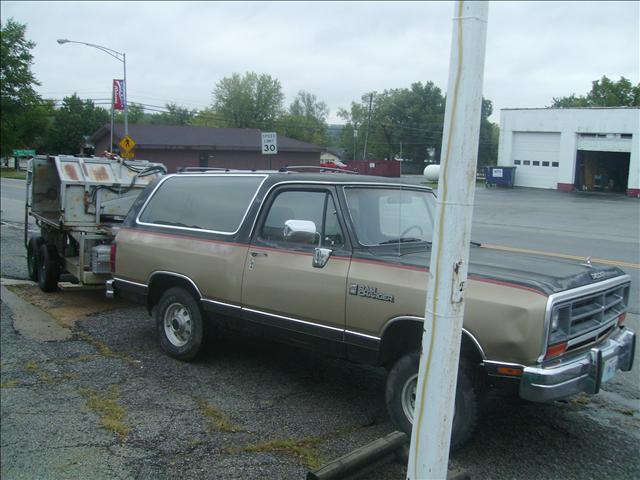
[{"x": 190, "y": 137}]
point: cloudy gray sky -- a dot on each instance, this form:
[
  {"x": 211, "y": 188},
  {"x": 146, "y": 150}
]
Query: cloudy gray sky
[{"x": 176, "y": 52}]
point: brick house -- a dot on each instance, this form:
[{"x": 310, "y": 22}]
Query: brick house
[{"x": 191, "y": 146}]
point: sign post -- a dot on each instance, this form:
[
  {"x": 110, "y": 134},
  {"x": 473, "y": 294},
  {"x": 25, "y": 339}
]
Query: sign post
[
  {"x": 269, "y": 144},
  {"x": 444, "y": 308}
]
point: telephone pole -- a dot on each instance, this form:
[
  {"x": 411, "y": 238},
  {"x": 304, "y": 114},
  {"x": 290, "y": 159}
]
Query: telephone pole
[
  {"x": 366, "y": 136},
  {"x": 444, "y": 308}
]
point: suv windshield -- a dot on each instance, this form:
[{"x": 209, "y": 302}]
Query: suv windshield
[{"x": 387, "y": 215}]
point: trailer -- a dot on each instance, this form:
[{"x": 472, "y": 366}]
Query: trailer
[{"x": 78, "y": 204}]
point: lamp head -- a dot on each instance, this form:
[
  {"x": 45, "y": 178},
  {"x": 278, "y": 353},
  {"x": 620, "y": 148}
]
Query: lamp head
[{"x": 62, "y": 41}]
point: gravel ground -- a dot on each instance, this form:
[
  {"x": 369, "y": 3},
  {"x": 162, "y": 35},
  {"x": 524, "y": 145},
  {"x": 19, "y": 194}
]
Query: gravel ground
[{"x": 108, "y": 404}]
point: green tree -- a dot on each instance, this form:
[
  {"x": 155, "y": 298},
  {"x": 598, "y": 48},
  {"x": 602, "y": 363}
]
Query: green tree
[
  {"x": 207, "y": 117},
  {"x": 248, "y": 101},
  {"x": 22, "y": 117},
  {"x": 353, "y": 133},
  {"x": 75, "y": 119},
  {"x": 175, "y": 115},
  {"x": 135, "y": 114},
  {"x": 306, "y": 119},
  {"x": 603, "y": 93},
  {"x": 407, "y": 123},
  {"x": 488, "y": 141}
]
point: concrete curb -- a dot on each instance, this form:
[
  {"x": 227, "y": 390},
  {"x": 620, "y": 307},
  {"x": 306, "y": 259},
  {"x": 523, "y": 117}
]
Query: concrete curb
[{"x": 30, "y": 321}]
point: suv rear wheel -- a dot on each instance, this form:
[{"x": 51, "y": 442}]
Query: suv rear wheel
[
  {"x": 401, "y": 388},
  {"x": 179, "y": 322}
]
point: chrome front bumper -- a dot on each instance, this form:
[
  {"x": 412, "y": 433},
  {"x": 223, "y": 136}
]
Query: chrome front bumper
[
  {"x": 582, "y": 373},
  {"x": 110, "y": 291}
]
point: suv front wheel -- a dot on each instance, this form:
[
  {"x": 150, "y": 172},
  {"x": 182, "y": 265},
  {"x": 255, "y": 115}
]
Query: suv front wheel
[
  {"x": 401, "y": 389},
  {"x": 179, "y": 321}
]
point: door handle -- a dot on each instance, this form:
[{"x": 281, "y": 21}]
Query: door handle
[{"x": 258, "y": 254}]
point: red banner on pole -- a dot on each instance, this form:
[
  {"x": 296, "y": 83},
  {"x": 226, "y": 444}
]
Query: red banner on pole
[{"x": 118, "y": 94}]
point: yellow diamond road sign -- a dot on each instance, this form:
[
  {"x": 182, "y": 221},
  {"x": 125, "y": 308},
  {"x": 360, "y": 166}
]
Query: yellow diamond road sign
[{"x": 127, "y": 143}]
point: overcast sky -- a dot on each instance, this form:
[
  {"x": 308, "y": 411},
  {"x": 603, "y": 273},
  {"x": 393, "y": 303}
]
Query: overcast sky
[{"x": 176, "y": 52}]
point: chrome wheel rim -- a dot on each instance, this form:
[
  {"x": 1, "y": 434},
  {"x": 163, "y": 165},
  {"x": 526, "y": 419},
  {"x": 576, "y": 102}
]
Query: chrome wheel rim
[
  {"x": 408, "y": 396},
  {"x": 177, "y": 324}
]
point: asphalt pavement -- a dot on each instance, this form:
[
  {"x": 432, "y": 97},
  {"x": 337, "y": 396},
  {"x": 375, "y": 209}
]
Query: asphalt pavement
[{"x": 88, "y": 394}]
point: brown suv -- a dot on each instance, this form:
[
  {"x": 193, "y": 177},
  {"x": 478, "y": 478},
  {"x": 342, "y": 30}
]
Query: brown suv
[{"x": 338, "y": 263}]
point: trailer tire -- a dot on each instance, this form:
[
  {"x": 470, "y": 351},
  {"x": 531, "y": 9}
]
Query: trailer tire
[
  {"x": 401, "y": 382},
  {"x": 33, "y": 253},
  {"x": 48, "y": 268}
]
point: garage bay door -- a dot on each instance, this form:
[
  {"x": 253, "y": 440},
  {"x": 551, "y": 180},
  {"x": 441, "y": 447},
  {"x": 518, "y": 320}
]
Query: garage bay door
[{"x": 536, "y": 156}]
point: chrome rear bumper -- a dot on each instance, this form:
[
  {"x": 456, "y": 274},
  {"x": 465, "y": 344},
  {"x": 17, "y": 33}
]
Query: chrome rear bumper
[{"x": 582, "y": 373}]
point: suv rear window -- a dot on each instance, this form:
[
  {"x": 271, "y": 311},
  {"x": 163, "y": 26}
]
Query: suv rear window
[{"x": 213, "y": 203}]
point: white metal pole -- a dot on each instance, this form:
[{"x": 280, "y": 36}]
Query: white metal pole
[
  {"x": 435, "y": 395},
  {"x": 126, "y": 87}
]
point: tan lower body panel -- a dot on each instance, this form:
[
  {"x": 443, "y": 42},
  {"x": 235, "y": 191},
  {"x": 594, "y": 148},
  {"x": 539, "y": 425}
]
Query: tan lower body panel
[
  {"x": 506, "y": 320},
  {"x": 215, "y": 267}
]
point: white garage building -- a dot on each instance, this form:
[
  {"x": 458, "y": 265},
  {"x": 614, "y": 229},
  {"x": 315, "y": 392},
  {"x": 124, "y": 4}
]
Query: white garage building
[{"x": 592, "y": 149}]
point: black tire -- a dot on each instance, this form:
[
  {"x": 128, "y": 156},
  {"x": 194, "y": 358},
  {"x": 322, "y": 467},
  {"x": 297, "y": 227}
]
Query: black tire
[
  {"x": 48, "y": 268},
  {"x": 33, "y": 253},
  {"x": 466, "y": 408},
  {"x": 181, "y": 336}
]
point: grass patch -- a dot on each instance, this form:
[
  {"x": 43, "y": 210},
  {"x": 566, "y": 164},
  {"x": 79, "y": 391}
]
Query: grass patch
[
  {"x": 12, "y": 173},
  {"x": 107, "y": 407},
  {"x": 104, "y": 349},
  {"x": 10, "y": 384},
  {"x": 217, "y": 421},
  {"x": 626, "y": 411},
  {"x": 69, "y": 306},
  {"x": 304, "y": 450},
  {"x": 42, "y": 375},
  {"x": 581, "y": 399}
]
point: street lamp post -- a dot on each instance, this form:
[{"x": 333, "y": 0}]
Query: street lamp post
[{"x": 118, "y": 56}]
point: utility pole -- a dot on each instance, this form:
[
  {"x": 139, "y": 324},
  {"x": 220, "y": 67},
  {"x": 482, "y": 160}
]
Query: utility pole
[
  {"x": 437, "y": 375},
  {"x": 355, "y": 142},
  {"x": 366, "y": 136}
]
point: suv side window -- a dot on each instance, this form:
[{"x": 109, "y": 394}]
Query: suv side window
[
  {"x": 317, "y": 207},
  {"x": 212, "y": 203}
]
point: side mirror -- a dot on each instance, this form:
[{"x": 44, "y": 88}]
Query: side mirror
[
  {"x": 321, "y": 257},
  {"x": 300, "y": 231}
]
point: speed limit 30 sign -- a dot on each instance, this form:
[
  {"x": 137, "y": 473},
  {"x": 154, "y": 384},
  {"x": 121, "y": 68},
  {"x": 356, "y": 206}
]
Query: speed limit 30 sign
[{"x": 269, "y": 143}]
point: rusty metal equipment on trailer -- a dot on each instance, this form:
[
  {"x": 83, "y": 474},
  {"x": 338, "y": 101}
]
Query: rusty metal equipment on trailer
[{"x": 78, "y": 204}]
